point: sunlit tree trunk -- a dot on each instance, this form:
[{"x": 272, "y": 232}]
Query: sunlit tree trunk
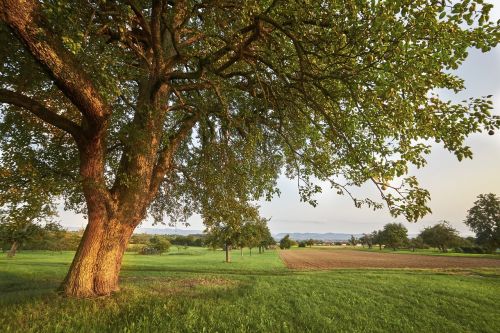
[
  {"x": 96, "y": 265},
  {"x": 13, "y": 249}
]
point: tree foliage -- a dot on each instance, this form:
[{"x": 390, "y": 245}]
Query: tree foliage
[
  {"x": 156, "y": 245},
  {"x": 367, "y": 239},
  {"x": 285, "y": 242},
  {"x": 484, "y": 219},
  {"x": 394, "y": 235},
  {"x": 318, "y": 88},
  {"x": 441, "y": 235},
  {"x": 416, "y": 243}
]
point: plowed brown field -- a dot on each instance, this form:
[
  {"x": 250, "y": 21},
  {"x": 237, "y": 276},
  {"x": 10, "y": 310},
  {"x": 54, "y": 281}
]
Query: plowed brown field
[{"x": 331, "y": 259}]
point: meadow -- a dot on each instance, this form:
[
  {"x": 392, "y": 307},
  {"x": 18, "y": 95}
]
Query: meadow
[{"x": 193, "y": 290}]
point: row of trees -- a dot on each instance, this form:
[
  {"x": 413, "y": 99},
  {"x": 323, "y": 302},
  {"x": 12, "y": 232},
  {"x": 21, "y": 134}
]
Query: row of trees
[
  {"x": 49, "y": 236},
  {"x": 180, "y": 240},
  {"x": 483, "y": 218},
  {"x": 251, "y": 233},
  {"x": 441, "y": 236}
]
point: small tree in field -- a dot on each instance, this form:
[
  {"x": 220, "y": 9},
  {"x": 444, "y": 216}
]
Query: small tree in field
[
  {"x": 378, "y": 238},
  {"x": 441, "y": 236},
  {"x": 160, "y": 244},
  {"x": 353, "y": 241},
  {"x": 416, "y": 243},
  {"x": 223, "y": 236},
  {"x": 394, "y": 235},
  {"x": 484, "y": 219},
  {"x": 285, "y": 242},
  {"x": 310, "y": 242},
  {"x": 251, "y": 234},
  {"x": 267, "y": 239},
  {"x": 366, "y": 239}
]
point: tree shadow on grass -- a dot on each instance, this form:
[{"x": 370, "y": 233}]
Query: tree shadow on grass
[
  {"x": 19, "y": 288},
  {"x": 235, "y": 271},
  {"x": 165, "y": 304}
]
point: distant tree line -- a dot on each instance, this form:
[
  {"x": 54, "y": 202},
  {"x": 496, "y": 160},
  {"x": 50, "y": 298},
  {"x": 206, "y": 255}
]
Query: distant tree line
[
  {"x": 53, "y": 237},
  {"x": 32, "y": 236},
  {"x": 483, "y": 218},
  {"x": 441, "y": 236}
]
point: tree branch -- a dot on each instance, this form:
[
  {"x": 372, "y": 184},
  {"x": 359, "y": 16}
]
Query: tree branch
[
  {"x": 166, "y": 155},
  {"x": 42, "y": 112},
  {"x": 24, "y": 18}
]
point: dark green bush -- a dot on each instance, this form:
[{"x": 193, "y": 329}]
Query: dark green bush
[{"x": 472, "y": 249}]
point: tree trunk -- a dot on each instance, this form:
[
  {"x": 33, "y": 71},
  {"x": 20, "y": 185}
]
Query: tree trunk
[
  {"x": 13, "y": 249},
  {"x": 228, "y": 254},
  {"x": 97, "y": 262},
  {"x": 241, "y": 251}
]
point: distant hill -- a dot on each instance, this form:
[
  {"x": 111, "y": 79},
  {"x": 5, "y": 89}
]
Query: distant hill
[{"x": 329, "y": 236}]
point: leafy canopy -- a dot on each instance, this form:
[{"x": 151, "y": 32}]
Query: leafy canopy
[
  {"x": 394, "y": 235},
  {"x": 336, "y": 91},
  {"x": 441, "y": 235},
  {"x": 484, "y": 219}
]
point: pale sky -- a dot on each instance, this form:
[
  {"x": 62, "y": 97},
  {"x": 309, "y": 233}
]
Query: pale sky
[{"x": 453, "y": 185}]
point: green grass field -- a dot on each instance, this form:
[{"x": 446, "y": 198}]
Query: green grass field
[{"x": 195, "y": 291}]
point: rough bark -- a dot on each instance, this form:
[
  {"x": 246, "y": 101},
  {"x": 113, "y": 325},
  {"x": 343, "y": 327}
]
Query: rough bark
[
  {"x": 97, "y": 263},
  {"x": 13, "y": 249}
]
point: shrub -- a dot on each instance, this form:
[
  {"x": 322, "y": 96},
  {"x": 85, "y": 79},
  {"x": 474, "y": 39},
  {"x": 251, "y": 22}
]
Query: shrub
[
  {"x": 472, "y": 249},
  {"x": 285, "y": 242},
  {"x": 156, "y": 245},
  {"x": 146, "y": 250}
]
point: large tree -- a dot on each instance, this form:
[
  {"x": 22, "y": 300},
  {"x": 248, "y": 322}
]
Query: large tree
[
  {"x": 169, "y": 107},
  {"x": 484, "y": 219}
]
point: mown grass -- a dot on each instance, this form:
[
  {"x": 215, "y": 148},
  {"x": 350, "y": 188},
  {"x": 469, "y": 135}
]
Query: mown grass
[{"x": 197, "y": 292}]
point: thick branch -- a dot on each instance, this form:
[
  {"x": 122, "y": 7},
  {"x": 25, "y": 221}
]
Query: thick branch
[
  {"x": 42, "y": 112},
  {"x": 23, "y": 17},
  {"x": 156, "y": 34},
  {"x": 166, "y": 155}
]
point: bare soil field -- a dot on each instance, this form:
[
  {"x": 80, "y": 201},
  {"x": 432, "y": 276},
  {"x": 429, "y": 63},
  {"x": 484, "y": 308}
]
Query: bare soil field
[{"x": 320, "y": 259}]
